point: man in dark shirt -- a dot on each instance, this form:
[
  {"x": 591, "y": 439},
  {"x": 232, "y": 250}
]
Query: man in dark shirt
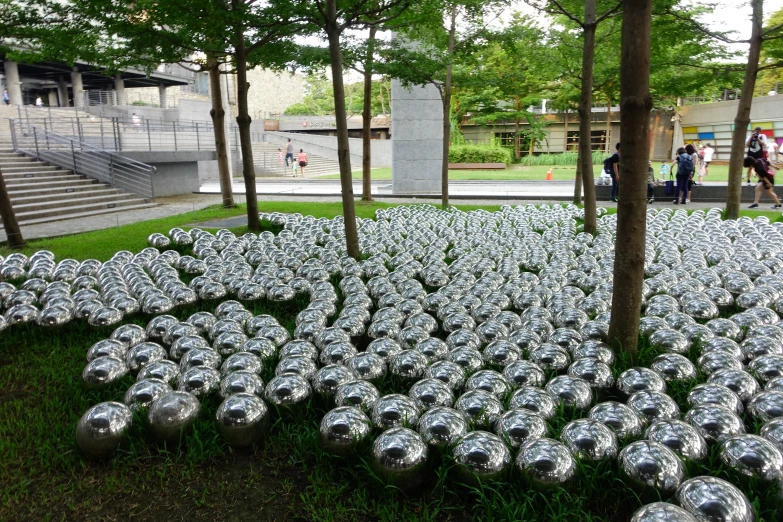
[
  {"x": 614, "y": 161},
  {"x": 289, "y": 152}
]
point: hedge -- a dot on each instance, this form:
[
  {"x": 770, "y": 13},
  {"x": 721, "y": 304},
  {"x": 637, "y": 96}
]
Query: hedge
[{"x": 478, "y": 154}]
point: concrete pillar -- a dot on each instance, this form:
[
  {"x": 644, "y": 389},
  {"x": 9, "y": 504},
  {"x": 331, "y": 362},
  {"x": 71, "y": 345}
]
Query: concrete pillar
[
  {"x": 119, "y": 88},
  {"x": 13, "y": 83},
  {"x": 62, "y": 92},
  {"x": 77, "y": 88},
  {"x": 164, "y": 99},
  {"x": 52, "y": 98},
  {"x": 417, "y": 139}
]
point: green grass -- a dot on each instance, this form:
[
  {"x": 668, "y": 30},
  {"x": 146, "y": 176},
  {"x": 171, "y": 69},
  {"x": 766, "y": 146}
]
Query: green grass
[
  {"x": 520, "y": 173},
  {"x": 287, "y": 476}
]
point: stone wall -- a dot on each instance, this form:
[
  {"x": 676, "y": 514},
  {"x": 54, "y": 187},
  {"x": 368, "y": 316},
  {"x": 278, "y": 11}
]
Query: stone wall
[{"x": 271, "y": 92}]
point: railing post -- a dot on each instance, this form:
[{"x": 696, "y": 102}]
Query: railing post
[
  {"x": 102, "y": 145},
  {"x": 35, "y": 137},
  {"x": 149, "y": 136},
  {"x": 73, "y": 155},
  {"x": 79, "y": 127},
  {"x": 198, "y": 141},
  {"x": 174, "y": 126},
  {"x": 111, "y": 168}
]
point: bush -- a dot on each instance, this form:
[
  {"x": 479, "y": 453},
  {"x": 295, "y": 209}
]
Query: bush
[
  {"x": 563, "y": 158},
  {"x": 478, "y": 154}
]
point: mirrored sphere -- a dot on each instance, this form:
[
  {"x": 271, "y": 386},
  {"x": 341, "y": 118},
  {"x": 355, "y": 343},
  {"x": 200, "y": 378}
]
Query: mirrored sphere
[
  {"x": 142, "y": 393},
  {"x": 570, "y": 391},
  {"x": 481, "y": 407},
  {"x": 711, "y": 393},
  {"x": 651, "y": 464},
  {"x": 395, "y": 410},
  {"x": 620, "y": 418},
  {"x": 287, "y": 390},
  {"x": 327, "y": 379},
  {"x": 241, "y": 382},
  {"x": 103, "y": 371},
  {"x": 589, "y": 439},
  {"x": 546, "y": 462},
  {"x": 714, "y": 499},
  {"x": 481, "y": 454},
  {"x": 662, "y": 512},
  {"x": 242, "y": 419},
  {"x": 680, "y": 437},
  {"x": 753, "y": 456},
  {"x": 653, "y": 406},
  {"x": 358, "y": 394},
  {"x": 399, "y": 456},
  {"x": 442, "y": 426},
  {"x": 102, "y": 428},
  {"x": 344, "y": 428},
  {"x": 534, "y": 399},
  {"x": 635, "y": 380},
  {"x": 714, "y": 423},
  {"x": 518, "y": 426},
  {"x": 172, "y": 415}
]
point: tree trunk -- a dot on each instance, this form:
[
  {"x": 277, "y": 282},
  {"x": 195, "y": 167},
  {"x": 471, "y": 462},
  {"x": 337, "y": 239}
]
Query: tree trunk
[
  {"x": 532, "y": 147},
  {"x": 444, "y": 173},
  {"x": 219, "y": 123},
  {"x": 608, "y": 125},
  {"x": 635, "y": 104},
  {"x": 11, "y": 226},
  {"x": 243, "y": 123},
  {"x": 367, "y": 119},
  {"x": 343, "y": 147},
  {"x": 585, "y": 114},
  {"x": 742, "y": 120},
  {"x": 578, "y": 184},
  {"x": 517, "y": 146}
]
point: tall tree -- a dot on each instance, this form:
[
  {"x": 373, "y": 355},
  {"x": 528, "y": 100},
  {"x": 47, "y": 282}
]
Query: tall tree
[
  {"x": 7, "y": 214},
  {"x": 218, "y": 115},
  {"x": 635, "y": 104}
]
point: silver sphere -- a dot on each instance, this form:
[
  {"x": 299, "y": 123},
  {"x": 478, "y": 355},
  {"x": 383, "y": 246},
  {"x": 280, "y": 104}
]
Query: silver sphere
[
  {"x": 714, "y": 500},
  {"x": 166, "y": 371},
  {"x": 753, "y": 456},
  {"x": 441, "y": 426},
  {"x": 399, "y": 456},
  {"x": 241, "y": 382},
  {"x": 570, "y": 391},
  {"x": 359, "y": 394},
  {"x": 144, "y": 392},
  {"x": 327, "y": 379},
  {"x": 653, "y": 406},
  {"x": 107, "y": 348},
  {"x": 635, "y": 380},
  {"x": 518, "y": 426},
  {"x": 103, "y": 371},
  {"x": 652, "y": 465},
  {"x": 431, "y": 393},
  {"x": 395, "y": 410},
  {"x": 711, "y": 393},
  {"x": 483, "y": 455},
  {"x": 481, "y": 407},
  {"x": 546, "y": 462},
  {"x": 662, "y": 512},
  {"x": 524, "y": 373},
  {"x": 199, "y": 381},
  {"x": 680, "y": 437},
  {"x": 450, "y": 373},
  {"x": 589, "y": 439},
  {"x": 714, "y": 423},
  {"x": 620, "y": 418},
  {"x": 242, "y": 419},
  {"x": 102, "y": 428},
  {"x": 287, "y": 390},
  {"x": 344, "y": 428},
  {"x": 172, "y": 415},
  {"x": 766, "y": 405},
  {"x": 144, "y": 353},
  {"x": 773, "y": 432},
  {"x": 536, "y": 400}
]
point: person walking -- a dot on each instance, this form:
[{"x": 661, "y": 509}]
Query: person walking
[
  {"x": 6, "y": 97},
  {"x": 302, "y": 159},
  {"x": 289, "y": 152},
  {"x": 766, "y": 181},
  {"x": 709, "y": 152},
  {"x": 650, "y": 183},
  {"x": 136, "y": 121},
  {"x": 757, "y": 145},
  {"x": 684, "y": 163},
  {"x": 39, "y": 102},
  {"x": 279, "y": 157},
  {"x": 612, "y": 168}
]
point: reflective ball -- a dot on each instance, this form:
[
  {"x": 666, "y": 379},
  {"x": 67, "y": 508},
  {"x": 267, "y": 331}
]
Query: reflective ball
[
  {"x": 681, "y": 438},
  {"x": 570, "y": 391},
  {"x": 546, "y": 462},
  {"x": 199, "y": 381},
  {"x": 481, "y": 407},
  {"x": 441, "y": 426},
  {"x": 395, "y": 410},
  {"x": 359, "y": 394},
  {"x": 662, "y": 512},
  {"x": 711, "y": 393},
  {"x": 589, "y": 439},
  {"x": 287, "y": 390},
  {"x": 620, "y": 418},
  {"x": 766, "y": 405},
  {"x": 714, "y": 423},
  {"x": 711, "y": 498},
  {"x": 673, "y": 367},
  {"x": 172, "y": 415},
  {"x": 242, "y": 419},
  {"x": 482, "y": 455},
  {"x": 518, "y": 426},
  {"x": 536, "y": 400},
  {"x": 327, "y": 379},
  {"x": 653, "y": 406},
  {"x": 144, "y": 392},
  {"x": 431, "y": 393},
  {"x": 241, "y": 382},
  {"x": 344, "y": 428},
  {"x": 652, "y": 465},
  {"x": 593, "y": 371},
  {"x": 447, "y": 372},
  {"x": 399, "y": 456},
  {"x": 102, "y": 428},
  {"x": 640, "y": 379},
  {"x": 167, "y": 371},
  {"x": 103, "y": 371}
]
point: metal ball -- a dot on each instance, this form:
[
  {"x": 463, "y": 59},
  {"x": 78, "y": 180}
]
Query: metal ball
[
  {"x": 384, "y": 347},
  {"x": 766, "y": 367},
  {"x": 338, "y": 353},
  {"x": 395, "y": 410},
  {"x": 200, "y": 357},
  {"x": 546, "y": 462},
  {"x": 481, "y": 407},
  {"x": 450, "y": 373},
  {"x": 343, "y": 429},
  {"x": 408, "y": 364},
  {"x": 157, "y": 327},
  {"x": 358, "y": 394},
  {"x": 328, "y": 378},
  {"x": 167, "y": 371},
  {"x": 753, "y": 456},
  {"x": 524, "y": 373},
  {"x": 172, "y": 415},
  {"x": 242, "y": 361},
  {"x": 653, "y": 406},
  {"x": 241, "y": 382},
  {"x": 534, "y": 399},
  {"x": 287, "y": 390},
  {"x": 670, "y": 341},
  {"x": 766, "y": 405},
  {"x": 738, "y": 381},
  {"x": 368, "y": 366},
  {"x": 442, "y": 426},
  {"x": 144, "y": 392},
  {"x": 106, "y": 348},
  {"x": 469, "y": 358},
  {"x": 550, "y": 357},
  {"x": 103, "y": 371},
  {"x": 102, "y": 428},
  {"x": 481, "y": 455},
  {"x": 635, "y": 380},
  {"x": 596, "y": 373},
  {"x": 199, "y": 381},
  {"x": 652, "y": 465},
  {"x": 518, "y": 426},
  {"x": 662, "y": 512},
  {"x": 681, "y": 438},
  {"x": 129, "y": 335},
  {"x": 570, "y": 391},
  {"x": 773, "y": 432},
  {"x": 399, "y": 456},
  {"x": 714, "y": 499},
  {"x": 489, "y": 381},
  {"x": 620, "y": 418},
  {"x": 673, "y": 367},
  {"x": 261, "y": 347},
  {"x": 299, "y": 365},
  {"x": 714, "y": 423},
  {"x": 589, "y": 439},
  {"x": 144, "y": 353},
  {"x": 711, "y": 393},
  {"x": 242, "y": 419}
]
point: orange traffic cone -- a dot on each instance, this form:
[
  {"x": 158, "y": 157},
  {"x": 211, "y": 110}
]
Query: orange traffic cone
[{"x": 549, "y": 174}]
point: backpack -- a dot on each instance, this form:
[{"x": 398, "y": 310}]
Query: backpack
[
  {"x": 608, "y": 165},
  {"x": 685, "y": 165}
]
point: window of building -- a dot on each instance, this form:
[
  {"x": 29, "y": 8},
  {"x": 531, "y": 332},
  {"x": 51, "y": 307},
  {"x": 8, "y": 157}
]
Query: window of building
[
  {"x": 505, "y": 139},
  {"x": 597, "y": 140}
]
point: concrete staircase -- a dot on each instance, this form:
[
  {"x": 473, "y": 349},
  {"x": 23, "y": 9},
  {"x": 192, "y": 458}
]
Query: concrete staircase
[
  {"x": 265, "y": 160},
  {"x": 42, "y": 193}
]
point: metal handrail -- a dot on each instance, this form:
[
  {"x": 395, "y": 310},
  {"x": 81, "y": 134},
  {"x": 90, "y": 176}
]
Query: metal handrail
[{"x": 82, "y": 158}]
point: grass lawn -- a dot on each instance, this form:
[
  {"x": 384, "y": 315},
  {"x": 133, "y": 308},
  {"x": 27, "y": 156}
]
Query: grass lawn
[
  {"x": 517, "y": 172},
  {"x": 287, "y": 476}
]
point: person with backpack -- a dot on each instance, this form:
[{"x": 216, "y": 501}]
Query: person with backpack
[
  {"x": 757, "y": 147},
  {"x": 766, "y": 180},
  {"x": 685, "y": 170},
  {"x": 650, "y": 183},
  {"x": 612, "y": 167}
]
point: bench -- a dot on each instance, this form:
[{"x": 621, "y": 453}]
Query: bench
[{"x": 477, "y": 166}]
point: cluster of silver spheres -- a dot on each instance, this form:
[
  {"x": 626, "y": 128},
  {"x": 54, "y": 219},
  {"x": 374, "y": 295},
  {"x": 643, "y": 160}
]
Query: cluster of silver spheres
[{"x": 490, "y": 322}]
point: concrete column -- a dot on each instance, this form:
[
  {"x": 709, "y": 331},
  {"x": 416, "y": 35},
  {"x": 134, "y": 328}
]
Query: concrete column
[
  {"x": 164, "y": 99},
  {"x": 78, "y": 88},
  {"x": 52, "y": 98},
  {"x": 62, "y": 92},
  {"x": 13, "y": 83},
  {"x": 417, "y": 139},
  {"x": 119, "y": 88}
]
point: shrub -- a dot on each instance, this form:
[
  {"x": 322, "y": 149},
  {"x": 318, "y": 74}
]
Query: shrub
[
  {"x": 478, "y": 154},
  {"x": 563, "y": 158}
]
